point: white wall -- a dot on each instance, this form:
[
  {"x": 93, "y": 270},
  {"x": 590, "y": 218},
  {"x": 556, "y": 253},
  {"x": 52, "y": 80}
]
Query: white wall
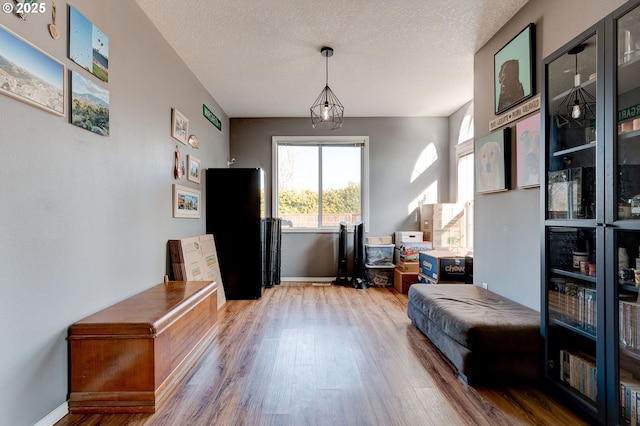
[{"x": 85, "y": 219}]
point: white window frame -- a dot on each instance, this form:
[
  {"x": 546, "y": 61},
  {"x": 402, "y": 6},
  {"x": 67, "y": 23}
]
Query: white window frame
[
  {"x": 463, "y": 149},
  {"x": 321, "y": 140}
]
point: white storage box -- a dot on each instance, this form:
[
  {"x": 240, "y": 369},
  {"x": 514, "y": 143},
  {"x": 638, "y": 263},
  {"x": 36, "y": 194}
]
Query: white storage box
[
  {"x": 407, "y": 237},
  {"x": 378, "y": 254},
  {"x": 379, "y": 240}
]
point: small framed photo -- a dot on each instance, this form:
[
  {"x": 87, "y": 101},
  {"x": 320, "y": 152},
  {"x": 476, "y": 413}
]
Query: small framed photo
[
  {"x": 493, "y": 154},
  {"x": 193, "y": 169},
  {"x": 513, "y": 69},
  {"x": 528, "y": 151},
  {"x": 179, "y": 126},
  {"x": 186, "y": 202}
]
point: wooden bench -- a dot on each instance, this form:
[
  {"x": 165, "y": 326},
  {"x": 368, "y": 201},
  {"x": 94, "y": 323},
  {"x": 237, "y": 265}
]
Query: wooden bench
[
  {"x": 487, "y": 337},
  {"x": 128, "y": 357}
]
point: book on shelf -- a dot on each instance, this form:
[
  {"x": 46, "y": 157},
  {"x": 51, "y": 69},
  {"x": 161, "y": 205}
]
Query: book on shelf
[
  {"x": 574, "y": 305},
  {"x": 579, "y": 372},
  {"x": 629, "y": 399},
  {"x": 628, "y": 318}
]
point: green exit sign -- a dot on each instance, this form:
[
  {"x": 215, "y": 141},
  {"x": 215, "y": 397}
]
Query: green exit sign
[
  {"x": 630, "y": 112},
  {"x": 209, "y": 115}
]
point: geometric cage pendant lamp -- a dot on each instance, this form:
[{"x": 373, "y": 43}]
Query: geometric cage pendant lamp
[
  {"x": 578, "y": 108},
  {"x": 327, "y": 111}
]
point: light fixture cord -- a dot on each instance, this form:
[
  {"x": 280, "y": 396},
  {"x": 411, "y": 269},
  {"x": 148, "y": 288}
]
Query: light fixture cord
[{"x": 326, "y": 71}]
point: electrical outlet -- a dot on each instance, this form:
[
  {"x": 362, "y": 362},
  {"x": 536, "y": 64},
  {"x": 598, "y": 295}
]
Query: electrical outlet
[{"x": 485, "y": 286}]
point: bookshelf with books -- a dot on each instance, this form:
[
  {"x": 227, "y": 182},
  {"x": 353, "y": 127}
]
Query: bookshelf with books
[{"x": 590, "y": 204}]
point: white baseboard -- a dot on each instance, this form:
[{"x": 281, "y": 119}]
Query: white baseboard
[
  {"x": 308, "y": 279},
  {"x": 54, "y": 416}
]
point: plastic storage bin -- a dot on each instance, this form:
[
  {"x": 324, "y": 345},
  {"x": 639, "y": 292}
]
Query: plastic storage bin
[
  {"x": 378, "y": 254},
  {"x": 379, "y": 276}
]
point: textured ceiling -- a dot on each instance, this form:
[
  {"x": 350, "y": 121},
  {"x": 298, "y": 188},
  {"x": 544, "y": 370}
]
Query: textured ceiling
[{"x": 261, "y": 58}]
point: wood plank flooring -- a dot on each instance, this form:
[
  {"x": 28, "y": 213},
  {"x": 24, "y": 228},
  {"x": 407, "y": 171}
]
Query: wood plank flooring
[{"x": 331, "y": 355}]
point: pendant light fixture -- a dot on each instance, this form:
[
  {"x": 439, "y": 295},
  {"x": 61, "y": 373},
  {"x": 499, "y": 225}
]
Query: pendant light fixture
[
  {"x": 577, "y": 109},
  {"x": 327, "y": 111}
]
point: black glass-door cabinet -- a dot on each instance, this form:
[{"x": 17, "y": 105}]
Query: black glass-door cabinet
[{"x": 591, "y": 219}]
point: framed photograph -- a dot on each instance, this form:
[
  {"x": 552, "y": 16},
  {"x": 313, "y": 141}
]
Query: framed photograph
[
  {"x": 528, "y": 152},
  {"x": 492, "y": 162},
  {"x": 186, "y": 202},
  {"x": 88, "y": 46},
  {"x": 193, "y": 169},
  {"x": 513, "y": 70},
  {"x": 89, "y": 105},
  {"x": 30, "y": 75},
  {"x": 179, "y": 126}
]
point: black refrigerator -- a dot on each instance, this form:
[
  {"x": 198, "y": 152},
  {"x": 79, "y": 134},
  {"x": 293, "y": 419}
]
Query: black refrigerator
[{"x": 235, "y": 208}]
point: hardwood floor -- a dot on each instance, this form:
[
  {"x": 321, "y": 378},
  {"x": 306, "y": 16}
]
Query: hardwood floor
[{"x": 331, "y": 355}]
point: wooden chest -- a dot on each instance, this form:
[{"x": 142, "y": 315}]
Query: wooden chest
[{"x": 128, "y": 357}]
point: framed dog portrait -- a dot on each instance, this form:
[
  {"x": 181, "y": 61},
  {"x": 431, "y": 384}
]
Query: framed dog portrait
[
  {"x": 493, "y": 153},
  {"x": 528, "y": 152},
  {"x": 513, "y": 70}
]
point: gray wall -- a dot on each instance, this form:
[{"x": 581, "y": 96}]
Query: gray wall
[
  {"x": 86, "y": 218},
  {"x": 507, "y": 225},
  {"x": 394, "y": 146}
]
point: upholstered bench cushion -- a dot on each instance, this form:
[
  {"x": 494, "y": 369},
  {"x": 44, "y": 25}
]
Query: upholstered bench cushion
[{"x": 477, "y": 318}]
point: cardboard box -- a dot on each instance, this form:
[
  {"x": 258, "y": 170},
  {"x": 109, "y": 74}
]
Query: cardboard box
[
  {"x": 452, "y": 225},
  {"x": 408, "y": 266},
  {"x": 402, "y": 280},
  {"x": 379, "y": 240},
  {"x": 423, "y": 279},
  {"x": 442, "y": 266},
  {"x": 195, "y": 259},
  {"x": 379, "y": 276},
  {"x": 378, "y": 254},
  {"x": 426, "y": 221},
  {"x": 407, "y": 237},
  {"x": 409, "y": 250}
]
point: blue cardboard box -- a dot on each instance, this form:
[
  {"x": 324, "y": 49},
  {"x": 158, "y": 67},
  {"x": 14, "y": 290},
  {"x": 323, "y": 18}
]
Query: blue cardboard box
[{"x": 442, "y": 266}]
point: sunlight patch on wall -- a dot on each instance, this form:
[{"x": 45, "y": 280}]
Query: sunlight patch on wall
[
  {"x": 428, "y": 196},
  {"x": 427, "y": 157}
]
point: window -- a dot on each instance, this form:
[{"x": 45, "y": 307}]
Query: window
[
  {"x": 465, "y": 172},
  {"x": 320, "y": 182},
  {"x": 465, "y": 176}
]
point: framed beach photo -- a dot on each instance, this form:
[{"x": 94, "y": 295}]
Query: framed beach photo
[
  {"x": 186, "y": 202},
  {"x": 528, "y": 152},
  {"x": 492, "y": 162},
  {"x": 179, "y": 126},
  {"x": 30, "y": 74},
  {"x": 513, "y": 69},
  {"x": 193, "y": 169}
]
